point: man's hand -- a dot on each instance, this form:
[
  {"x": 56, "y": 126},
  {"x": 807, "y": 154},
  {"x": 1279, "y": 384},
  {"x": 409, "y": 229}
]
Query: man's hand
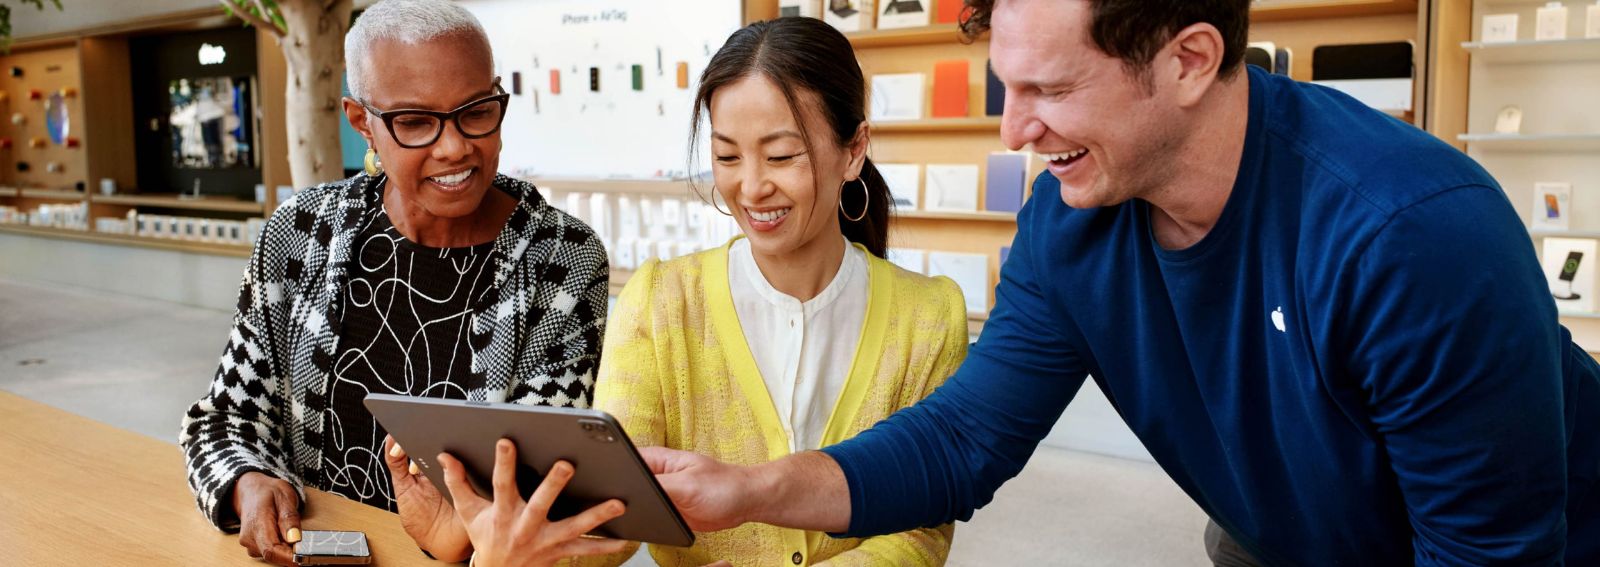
[
  {"x": 427, "y": 517},
  {"x": 269, "y": 517},
  {"x": 711, "y": 495},
  {"x": 805, "y": 491},
  {"x": 511, "y": 532}
]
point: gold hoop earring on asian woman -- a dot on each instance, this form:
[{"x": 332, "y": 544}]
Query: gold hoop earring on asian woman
[
  {"x": 866, "y": 200},
  {"x": 373, "y": 164},
  {"x": 713, "y": 202}
]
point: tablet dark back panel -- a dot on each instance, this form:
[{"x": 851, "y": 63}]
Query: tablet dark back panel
[
  {"x": 1361, "y": 61},
  {"x": 607, "y": 464}
]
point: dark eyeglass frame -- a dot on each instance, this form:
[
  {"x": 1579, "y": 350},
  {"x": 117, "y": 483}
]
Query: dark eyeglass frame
[{"x": 388, "y": 117}]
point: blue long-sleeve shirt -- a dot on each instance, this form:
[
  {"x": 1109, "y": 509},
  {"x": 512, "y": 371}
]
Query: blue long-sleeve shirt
[{"x": 1360, "y": 364}]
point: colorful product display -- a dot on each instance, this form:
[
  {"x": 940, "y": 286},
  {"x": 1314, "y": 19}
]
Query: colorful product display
[{"x": 950, "y": 88}]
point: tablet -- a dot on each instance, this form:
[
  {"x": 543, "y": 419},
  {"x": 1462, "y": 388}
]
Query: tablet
[{"x": 607, "y": 464}]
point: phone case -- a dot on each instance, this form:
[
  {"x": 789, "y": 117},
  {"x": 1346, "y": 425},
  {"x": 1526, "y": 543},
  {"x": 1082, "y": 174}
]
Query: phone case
[{"x": 317, "y": 547}]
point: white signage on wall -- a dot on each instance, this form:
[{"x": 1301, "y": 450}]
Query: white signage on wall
[
  {"x": 212, "y": 54},
  {"x": 606, "y": 86}
]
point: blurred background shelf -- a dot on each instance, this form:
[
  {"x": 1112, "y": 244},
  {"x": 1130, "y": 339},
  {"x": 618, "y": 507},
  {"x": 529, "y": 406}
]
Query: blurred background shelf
[
  {"x": 1532, "y": 51},
  {"x": 213, "y": 204},
  {"x": 1286, "y": 10},
  {"x": 989, "y": 124},
  {"x": 238, "y": 251},
  {"x": 1534, "y": 142}
]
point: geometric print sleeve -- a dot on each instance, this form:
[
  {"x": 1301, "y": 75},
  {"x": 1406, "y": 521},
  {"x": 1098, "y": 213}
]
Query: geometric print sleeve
[
  {"x": 238, "y": 426},
  {"x": 563, "y": 354}
]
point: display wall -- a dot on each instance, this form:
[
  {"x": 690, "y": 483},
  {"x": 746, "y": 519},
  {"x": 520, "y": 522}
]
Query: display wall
[
  {"x": 604, "y": 88},
  {"x": 31, "y": 83},
  {"x": 213, "y": 136}
]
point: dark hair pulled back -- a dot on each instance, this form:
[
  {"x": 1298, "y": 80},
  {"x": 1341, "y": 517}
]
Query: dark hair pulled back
[{"x": 807, "y": 55}]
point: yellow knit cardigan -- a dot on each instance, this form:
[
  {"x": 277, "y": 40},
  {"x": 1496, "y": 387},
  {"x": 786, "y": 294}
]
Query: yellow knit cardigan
[{"x": 677, "y": 372}]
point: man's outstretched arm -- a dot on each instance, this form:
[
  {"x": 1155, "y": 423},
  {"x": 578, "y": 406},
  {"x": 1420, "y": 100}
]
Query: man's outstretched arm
[{"x": 929, "y": 464}]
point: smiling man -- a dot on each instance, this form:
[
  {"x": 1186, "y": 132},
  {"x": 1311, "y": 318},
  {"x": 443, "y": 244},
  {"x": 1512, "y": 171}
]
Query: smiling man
[{"x": 1327, "y": 326}]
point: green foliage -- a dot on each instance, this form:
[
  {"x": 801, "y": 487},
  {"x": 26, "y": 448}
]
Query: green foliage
[
  {"x": 5, "y": 20},
  {"x": 253, "y": 8}
]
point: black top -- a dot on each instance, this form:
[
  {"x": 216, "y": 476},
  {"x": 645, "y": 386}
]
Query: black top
[{"x": 404, "y": 332}]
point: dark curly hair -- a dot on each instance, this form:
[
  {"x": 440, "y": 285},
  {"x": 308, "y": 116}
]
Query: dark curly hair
[{"x": 1135, "y": 30}]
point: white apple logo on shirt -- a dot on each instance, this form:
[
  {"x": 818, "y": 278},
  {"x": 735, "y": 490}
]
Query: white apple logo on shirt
[{"x": 1277, "y": 318}]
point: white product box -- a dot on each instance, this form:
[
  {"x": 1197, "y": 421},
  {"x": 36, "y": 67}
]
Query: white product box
[
  {"x": 643, "y": 250},
  {"x": 1499, "y": 28},
  {"x": 622, "y": 255},
  {"x": 952, "y": 188},
  {"x": 1592, "y": 29},
  {"x": 904, "y": 13},
  {"x": 911, "y": 259},
  {"x": 1550, "y": 22},
  {"x": 897, "y": 96},
  {"x": 905, "y": 183},
  {"x": 627, "y": 219},
  {"x": 600, "y": 215},
  {"x": 799, "y": 8},
  {"x": 970, "y": 271},
  {"x": 848, "y": 15},
  {"x": 672, "y": 215},
  {"x": 1552, "y": 206}
]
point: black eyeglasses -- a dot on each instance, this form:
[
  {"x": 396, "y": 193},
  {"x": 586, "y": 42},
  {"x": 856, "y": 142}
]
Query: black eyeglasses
[{"x": 421, "y": 128}]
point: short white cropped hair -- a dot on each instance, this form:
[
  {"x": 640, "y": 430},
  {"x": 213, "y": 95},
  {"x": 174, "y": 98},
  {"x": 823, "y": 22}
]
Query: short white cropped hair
[{"x": 407, "y": 21}]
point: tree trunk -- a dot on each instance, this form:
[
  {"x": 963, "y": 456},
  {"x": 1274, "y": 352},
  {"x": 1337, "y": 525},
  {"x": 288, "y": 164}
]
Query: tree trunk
[{"x": 314, "y": 51}]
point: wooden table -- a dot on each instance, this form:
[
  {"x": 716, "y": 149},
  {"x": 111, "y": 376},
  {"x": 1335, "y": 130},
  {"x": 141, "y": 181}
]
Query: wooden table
[{"x": 74, "y": 491}]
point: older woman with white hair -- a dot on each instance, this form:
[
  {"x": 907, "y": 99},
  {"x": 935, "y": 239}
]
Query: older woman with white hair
[{"x": 427, "y": 274}]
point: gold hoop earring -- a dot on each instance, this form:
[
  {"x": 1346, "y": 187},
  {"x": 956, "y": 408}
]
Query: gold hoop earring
[
  {"x": 866, "y": 200},
  {"x": 713, "y": 202},
  {"x": 373, "y": 164}
]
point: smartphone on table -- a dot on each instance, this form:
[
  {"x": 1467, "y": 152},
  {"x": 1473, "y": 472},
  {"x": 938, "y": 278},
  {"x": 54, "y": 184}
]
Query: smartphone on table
[{"x": 332, "y": 548}]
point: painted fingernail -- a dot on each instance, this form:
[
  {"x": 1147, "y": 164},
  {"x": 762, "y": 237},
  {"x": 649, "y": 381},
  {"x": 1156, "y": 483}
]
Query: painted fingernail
[
  {"x": 414, "y": 470},
  {"x": 394, "y": 451},
  {"x": 293, "y": 536}
]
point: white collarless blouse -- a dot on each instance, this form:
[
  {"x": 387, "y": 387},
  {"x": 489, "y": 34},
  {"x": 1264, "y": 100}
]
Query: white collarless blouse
[{"x": 803, "y": 350}]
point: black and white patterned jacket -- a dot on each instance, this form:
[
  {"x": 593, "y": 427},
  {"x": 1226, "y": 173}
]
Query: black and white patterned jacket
[{"x": 535, "y": 335}]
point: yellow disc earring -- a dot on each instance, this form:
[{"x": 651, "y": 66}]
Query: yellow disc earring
[{"x": 373, "y": 164}]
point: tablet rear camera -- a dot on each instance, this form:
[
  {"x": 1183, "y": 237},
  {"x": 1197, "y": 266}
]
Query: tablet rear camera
[{"x": 599, "y": 431}]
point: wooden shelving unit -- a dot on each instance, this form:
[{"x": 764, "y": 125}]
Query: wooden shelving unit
[
  {"x": 10, "y": 192},
  {"x": 210, "y": 204},
  {"x": 980, "y": 124},
  {"x": 973, "y": 216},
  {"x": 923, "y": 35},
  {"x": 1286, "y": 10},
  {"x": 661, "y": 187},
  {"x": 51, "y": 194},
  {"x": 1533, "y": 51},
  {"x": 238, "y": 251},
  {"x": 1579, "y": 143},
  {"x": 1544, "y": 232}
]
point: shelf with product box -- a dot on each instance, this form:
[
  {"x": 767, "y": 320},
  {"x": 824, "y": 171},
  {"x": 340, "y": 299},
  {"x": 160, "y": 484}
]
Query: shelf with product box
[
  {"x": 935, "y": 121},
  {"x": 1534, "y": 74},
  {"x": 1284, "y": 10},
  {"x": 171, "y": 201},
  {"x": 1535, "y": 51},
  {"x": 238, "y": 251},
  {"x": 983, "y": 124},
  {"x": 1580, "y": 143},
  {"x": 83, "y": 184}
]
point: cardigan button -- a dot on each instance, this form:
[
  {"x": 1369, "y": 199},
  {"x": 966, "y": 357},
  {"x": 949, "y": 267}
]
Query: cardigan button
[{"x": 797, "y": 558}]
